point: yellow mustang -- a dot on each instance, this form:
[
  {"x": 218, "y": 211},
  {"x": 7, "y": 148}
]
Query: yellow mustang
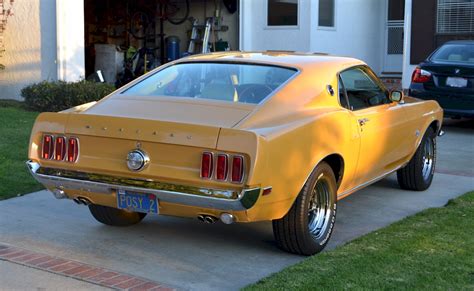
[{"x": 238, "y": 137}]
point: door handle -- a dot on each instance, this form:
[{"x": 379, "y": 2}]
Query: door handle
[{"x": 363, "y": 121}]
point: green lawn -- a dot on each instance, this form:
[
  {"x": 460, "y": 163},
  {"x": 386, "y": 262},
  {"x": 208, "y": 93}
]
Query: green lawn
[
  {"x": 15, "y": 128},
  {"x": 432, "y": 250}
]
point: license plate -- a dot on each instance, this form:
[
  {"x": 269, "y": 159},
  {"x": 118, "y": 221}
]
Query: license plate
[
  {"x": 137, "y": 202},
  {"x": 456, "y": 82}
]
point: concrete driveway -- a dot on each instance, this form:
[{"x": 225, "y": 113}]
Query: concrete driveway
[{"x": 187, "y": 254}]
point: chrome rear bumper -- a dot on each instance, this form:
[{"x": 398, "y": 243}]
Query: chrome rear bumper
[{"x": 167, "y": 192}]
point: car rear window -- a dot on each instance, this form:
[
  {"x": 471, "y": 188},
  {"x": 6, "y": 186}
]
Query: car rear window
[
  {"x": 454, "y": 53},
  {"x": 245, "y": 83}
]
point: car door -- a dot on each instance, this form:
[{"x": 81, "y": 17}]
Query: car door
[{"x": 381, "y": 124}]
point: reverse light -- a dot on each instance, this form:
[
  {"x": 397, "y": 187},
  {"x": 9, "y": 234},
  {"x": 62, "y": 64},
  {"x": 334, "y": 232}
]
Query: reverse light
[
  {"x": 207, "y": 165},
  {"x": 420, "y": 76},
  {"x": 72, "y": 149},
  {"x": 221, "y": 169},
  {"x": 60, "y": 148},
  {"x": 237, "y": 169},
  {"x": 48, "y": 147}
]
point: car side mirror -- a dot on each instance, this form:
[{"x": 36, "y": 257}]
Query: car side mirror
[{"x": 396, "y": 96}]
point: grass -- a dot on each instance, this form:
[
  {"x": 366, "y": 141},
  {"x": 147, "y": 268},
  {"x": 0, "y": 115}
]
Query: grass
[
  {"x": 432, "y": 250},
  {"x": 15, "y": 128}
]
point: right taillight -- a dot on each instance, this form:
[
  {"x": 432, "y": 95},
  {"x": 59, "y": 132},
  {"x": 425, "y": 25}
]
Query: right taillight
[
  {"x": 72, "y": 149},
  {"x": 420, "y": 76},
  {"x": 47, "y": 147},
  {"x": 207, "y": 165},
  {"x": 237, "y": 169},
  {"x": 221, "y": 168}
]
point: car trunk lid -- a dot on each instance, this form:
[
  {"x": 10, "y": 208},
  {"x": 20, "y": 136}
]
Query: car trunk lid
[
  {"x": 450, "y": 77},
  {"x": 179, "y": 110}
]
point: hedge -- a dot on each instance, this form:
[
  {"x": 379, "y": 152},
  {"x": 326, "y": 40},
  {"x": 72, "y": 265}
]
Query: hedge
[{"x": 57, "y": 96}]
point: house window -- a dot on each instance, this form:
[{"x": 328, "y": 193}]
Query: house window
[
  {"x": 282, "y": 13},
  {"x": 455, "y": 16},
  {"x": 326, "y": 13}
]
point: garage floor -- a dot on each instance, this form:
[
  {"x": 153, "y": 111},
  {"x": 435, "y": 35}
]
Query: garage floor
[{"x": 187, "y": 254}]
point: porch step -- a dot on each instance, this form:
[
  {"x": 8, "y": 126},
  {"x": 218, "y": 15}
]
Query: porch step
[{"x": 392, "y": 83}]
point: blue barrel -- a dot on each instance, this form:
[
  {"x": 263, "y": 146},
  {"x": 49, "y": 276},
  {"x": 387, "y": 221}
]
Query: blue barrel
[{"x": 172, "y": 48}]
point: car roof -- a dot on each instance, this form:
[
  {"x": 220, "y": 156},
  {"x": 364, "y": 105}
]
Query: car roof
[
  {"x": 466, "y": 41},
  {"x": 278, "y": 58}
]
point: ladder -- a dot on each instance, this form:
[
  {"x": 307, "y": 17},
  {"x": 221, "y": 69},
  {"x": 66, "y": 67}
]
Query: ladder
[{"x": 200, "y": 34}]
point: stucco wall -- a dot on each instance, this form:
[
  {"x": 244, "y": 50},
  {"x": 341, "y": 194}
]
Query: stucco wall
[
  {"x": 30, "y": 43},
  {"x": 359, "y": 30},
  {"x": 256, "y": 35}
]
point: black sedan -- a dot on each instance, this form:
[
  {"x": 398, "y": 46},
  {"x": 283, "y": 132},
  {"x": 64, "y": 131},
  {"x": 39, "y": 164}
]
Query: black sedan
[{"x": 447, "y": 76}]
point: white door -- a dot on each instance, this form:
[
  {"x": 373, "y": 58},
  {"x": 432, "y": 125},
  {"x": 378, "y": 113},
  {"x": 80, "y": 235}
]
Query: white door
[{"x": 393, "y": 49}]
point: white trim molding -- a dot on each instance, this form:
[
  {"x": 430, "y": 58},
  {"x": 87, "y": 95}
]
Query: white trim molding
[{"x": 70, "y": 40}]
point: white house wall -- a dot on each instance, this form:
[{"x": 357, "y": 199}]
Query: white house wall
[
  {"x": 256, "y": 35},
  {"x": 30, "y": 43},
  {"x": 359, "y": 30}
]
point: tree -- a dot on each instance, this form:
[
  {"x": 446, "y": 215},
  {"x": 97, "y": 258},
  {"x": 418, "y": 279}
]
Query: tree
[{"x": 6, "y": 10}]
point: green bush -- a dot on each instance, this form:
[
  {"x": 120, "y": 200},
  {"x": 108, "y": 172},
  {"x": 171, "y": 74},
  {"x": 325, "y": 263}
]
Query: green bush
[{"x": 57, "y": 96}]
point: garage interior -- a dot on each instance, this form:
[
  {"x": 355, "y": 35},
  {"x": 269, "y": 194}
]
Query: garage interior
[{"x": 127, "y": 38}]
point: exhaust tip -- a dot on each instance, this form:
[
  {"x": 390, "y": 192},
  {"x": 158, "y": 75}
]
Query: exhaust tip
[
  {"x": 210, "y": 219},
  {"x": 200, "y": 218},
  {"x": 59, "y": 193},
  {"x": 227, "y": 218}
]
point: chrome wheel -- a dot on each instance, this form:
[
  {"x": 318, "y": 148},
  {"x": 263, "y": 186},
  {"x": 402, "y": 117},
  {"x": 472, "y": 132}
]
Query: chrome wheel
[
  {"x": 428, "y": 159},
  {"x": 319, "y": 211}
]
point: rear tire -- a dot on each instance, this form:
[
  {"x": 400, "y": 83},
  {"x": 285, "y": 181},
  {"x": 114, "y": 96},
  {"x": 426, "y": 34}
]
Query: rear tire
[
  {"x": 418, "y": 174},
  {"x": 115, "y": 217},
  {"x": 307, "y": 227}
]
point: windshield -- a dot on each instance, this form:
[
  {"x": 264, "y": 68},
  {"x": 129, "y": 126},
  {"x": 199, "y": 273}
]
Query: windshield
[
  {"x": 234, "y": 82},
  {"x": 455, "y": 53}
]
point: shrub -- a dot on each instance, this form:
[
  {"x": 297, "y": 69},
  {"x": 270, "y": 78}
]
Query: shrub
[{"x": 57, "y": 96}]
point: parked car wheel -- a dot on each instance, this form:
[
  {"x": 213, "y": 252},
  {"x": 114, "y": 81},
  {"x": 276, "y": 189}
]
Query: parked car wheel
[
  {"x": 418, "y": 173},
  {"x": 307, "y": 227},
  {"x": 114, "y": 216}
]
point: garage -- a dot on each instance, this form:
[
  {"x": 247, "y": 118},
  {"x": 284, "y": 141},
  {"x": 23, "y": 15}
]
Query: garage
[{"x": 124, "y": 39}]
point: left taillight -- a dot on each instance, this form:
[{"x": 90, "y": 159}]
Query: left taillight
[
  {"x": 59, "y": 148},
  {"x": 47, "y": 147},
  {"x": 72, "y": 149}
]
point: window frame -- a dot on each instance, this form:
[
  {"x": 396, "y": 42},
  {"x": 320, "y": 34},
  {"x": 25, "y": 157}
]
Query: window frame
[
  {"x": 371, "y": 75},
  {"x": 330, "y": 28},
  {"x": 295, "y": 27}
]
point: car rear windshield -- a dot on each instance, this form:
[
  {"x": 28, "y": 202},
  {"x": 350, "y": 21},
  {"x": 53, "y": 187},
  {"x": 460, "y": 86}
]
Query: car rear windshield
[
  {"x": 454, "y": 53},
  {"x": 245, "y": 83}
]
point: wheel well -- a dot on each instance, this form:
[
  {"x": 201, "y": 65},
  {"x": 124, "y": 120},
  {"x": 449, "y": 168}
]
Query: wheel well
[
  {"x": 435, "y": 126},
  {"x": 336, "y": 162}
]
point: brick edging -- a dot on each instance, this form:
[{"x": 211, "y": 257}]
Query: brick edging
[{"x": 77, "y": 270}]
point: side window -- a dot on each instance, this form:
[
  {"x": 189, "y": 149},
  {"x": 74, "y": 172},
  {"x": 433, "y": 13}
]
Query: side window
[
  {"x": 363, "y": 89},
  {"x": 342, "y": 95}
]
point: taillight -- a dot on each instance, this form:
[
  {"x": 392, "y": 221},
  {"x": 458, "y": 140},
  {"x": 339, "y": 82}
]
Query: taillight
[
  {"x": 72, "y": 149},
  {"x": 207, "y": 165},
  {"x": 60, "y": 148},
  {"x": 221, "y": 169},
  {"x": 420, "y": 76},
  {"x": 237, "y": 169},
  {"x": 47, "y": 147}
]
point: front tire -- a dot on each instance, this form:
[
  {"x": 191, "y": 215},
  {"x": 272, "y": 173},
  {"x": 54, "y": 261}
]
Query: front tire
[
  {"x": 418, "y": 174},
  {"x": 307, "y": 227},
  {"x": 115, "y": 217}
]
